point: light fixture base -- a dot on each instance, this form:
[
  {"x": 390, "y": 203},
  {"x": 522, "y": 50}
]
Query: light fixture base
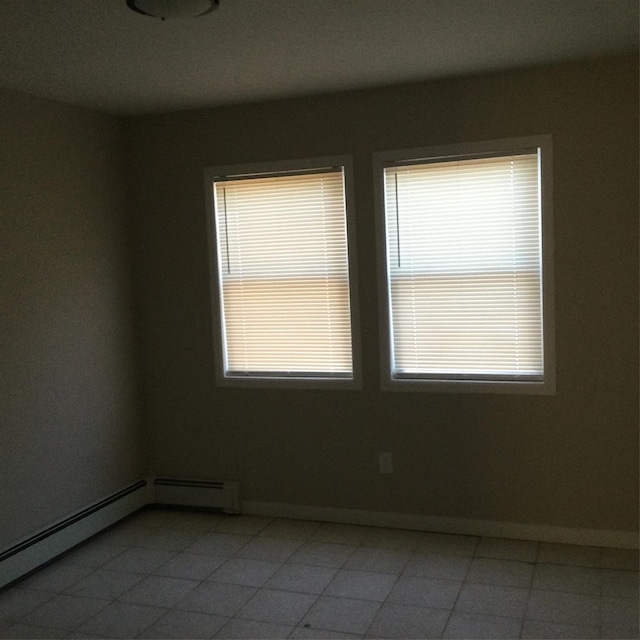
[{"x": 173, "y": 9}]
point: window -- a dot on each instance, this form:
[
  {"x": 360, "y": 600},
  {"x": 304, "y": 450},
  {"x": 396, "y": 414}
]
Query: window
[
  {"x": 466, "y": 237},
  {"x": 282, "y": 254}
]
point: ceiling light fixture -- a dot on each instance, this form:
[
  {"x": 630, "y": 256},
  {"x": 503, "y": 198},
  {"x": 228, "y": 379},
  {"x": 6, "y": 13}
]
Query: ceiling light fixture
[{"x": 170, "y": 9}]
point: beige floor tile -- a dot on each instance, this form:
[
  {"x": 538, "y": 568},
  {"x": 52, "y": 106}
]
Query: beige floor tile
[
  {"x": 402, "y": 621},
  {"x": 537, "y": 630},
  {"x": 55, "y": 577},
  {"x": 159, "y": 591},
  {"x": 252, "y": 629},
  {"x": 507, "y": 549},
  {"x": 446, "y": 544},
  {"x": 278, "y": 607},
  {"x": 269, "y": 549},
  {"x": 138, "y": 560},
  {"x": 124, "y": 534},
  {"x": 246, "y": 571},
  {"x": 191, "y": 566},
  {"x": 122, "y": 620},
  {"x": 217, "y": 599},
  {"x": 437, "y": 565},
  {"x": 507, "y": 573},
  {"x": 64, "y": 612},
  {"x": 308, "y": 633},
  {"x": 568, "y": 608},
  {"x": 618, "y": 633},
  {"x": 320, "y": 580},
  {"x": 474, "y": 625},
  {"x": 492, "y": 600},
  {"x": 555, "y": 577},
  {"x": 16, "y": 602},
  {"x": 349, "y": 534},
  {"x": 246, "y": 525},
  {"x": 218, "y": 544},
  {"x": 425, "y": 592},
  {"x": 570, "y": 554},
  {"x": 105, "y": 584},
  {"x": 341, "y": 614},
  {"x": 322, "y": 554},
  {"x": 301, "y": 578},
  {"x": 290, "y": 529},
  {"x": 363, "y": 585},
  {"x": 620, "y": 612},
  {"x": 92, "y": 554},
  {"x": 155, "y": 516},
  {"x": 20, "y": 630},
  {"x": 375, "y": 559},
  {"x": 397, "y": 539},
  {"x": 168, "y": 540},
  {"x": 196, "y": 521},
  {"x": 185, "y": 624}
]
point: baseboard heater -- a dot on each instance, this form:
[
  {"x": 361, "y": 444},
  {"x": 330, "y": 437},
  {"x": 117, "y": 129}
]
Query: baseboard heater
[
  {"x": 209, "y": 494},
  {"x": 60, "y": 536},
  {"x": 46, "y": 544}
]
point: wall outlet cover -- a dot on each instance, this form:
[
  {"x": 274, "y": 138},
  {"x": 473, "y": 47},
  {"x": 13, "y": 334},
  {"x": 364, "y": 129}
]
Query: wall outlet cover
[{"x": 385, "y": 462}]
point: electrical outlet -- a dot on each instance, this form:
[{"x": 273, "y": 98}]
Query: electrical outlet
[{"x": 385, "y": 462}]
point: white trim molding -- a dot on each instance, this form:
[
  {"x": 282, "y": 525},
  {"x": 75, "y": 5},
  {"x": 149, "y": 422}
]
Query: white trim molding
[
  {"x": 439, "y": 373},
  {"x": 42, "y": 546},
  {"x": 513, "y": 530},
  {"x": 345, "y": 272}
]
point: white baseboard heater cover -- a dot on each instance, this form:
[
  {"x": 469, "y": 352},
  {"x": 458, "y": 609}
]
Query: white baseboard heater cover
[
  {"x": 60, "y": 536},
  {"x": 209, "y": 494}
]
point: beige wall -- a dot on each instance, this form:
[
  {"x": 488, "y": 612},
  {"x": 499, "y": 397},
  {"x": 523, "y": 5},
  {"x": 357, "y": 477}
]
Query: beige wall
[
  {"x": 68, "y": 414},
  {"x": 570, "y": 459}
]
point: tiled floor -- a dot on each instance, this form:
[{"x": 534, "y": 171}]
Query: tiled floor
[{"x": 177, "y": 574}]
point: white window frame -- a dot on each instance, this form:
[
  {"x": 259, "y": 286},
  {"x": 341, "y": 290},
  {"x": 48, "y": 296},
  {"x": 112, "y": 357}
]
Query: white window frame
[
  {"x": 264, "y": 169},
  {"x": 462, "y": 384}
]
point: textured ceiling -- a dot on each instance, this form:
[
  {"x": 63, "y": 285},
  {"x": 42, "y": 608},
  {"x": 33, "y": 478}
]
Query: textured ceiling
[{"x": 99, "y": 54}]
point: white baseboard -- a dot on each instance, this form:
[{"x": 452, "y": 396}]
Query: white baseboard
[
  {"x": 63, "y": 534},
  {"x": 514, "y": 530},
  {"x": 45, "y": 544}
]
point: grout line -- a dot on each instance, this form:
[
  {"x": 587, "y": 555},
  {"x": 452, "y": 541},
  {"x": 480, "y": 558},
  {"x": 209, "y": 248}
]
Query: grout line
[
  {"x": 529, "y": 588},
  {"x": 601, "y": 625},
  {"x": 338, "y": 569},
  {"x": 398, "y": 576},
  {"x": 533, "y": 575}
]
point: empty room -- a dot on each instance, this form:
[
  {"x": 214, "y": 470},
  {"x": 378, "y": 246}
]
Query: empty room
[{"x": 319, "y": 319}]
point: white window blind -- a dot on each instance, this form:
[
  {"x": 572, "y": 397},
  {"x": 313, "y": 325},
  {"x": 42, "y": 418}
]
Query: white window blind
[
  {"x": 463, "y": 241},
  {"x": 284, "y": 276}
]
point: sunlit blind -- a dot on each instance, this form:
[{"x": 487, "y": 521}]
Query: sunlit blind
[
  {"x": 283, "y": 269},
  {"x": 464, "y": 268}
]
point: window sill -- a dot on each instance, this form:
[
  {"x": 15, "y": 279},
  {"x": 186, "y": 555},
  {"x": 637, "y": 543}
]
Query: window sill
[
  {"x": 239, "y": 382},
  {"x": 470, "y": 386}
]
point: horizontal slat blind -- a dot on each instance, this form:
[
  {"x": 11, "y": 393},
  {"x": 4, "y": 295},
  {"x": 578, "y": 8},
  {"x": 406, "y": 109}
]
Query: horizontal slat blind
[
  {"x": 464, "y": 268},
  {"x": 282, "y": 254}
]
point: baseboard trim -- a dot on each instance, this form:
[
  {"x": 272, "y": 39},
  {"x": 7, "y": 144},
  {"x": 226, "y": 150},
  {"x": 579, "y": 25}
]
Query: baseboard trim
[
  {"x": 46, "y": 544},
  {"x": 514, "y": 530},
  {"x": 63, "y": 534}
]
